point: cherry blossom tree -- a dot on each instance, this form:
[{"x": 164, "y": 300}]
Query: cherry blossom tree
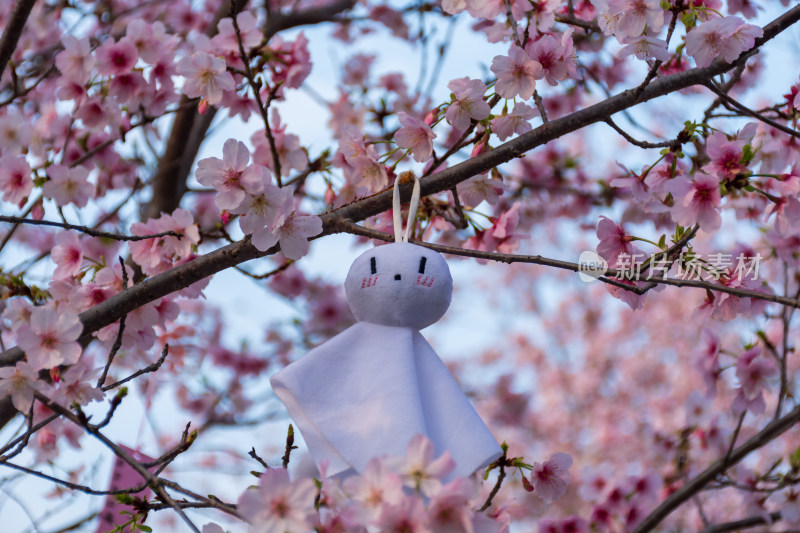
[{"x": 152, "y": 152}]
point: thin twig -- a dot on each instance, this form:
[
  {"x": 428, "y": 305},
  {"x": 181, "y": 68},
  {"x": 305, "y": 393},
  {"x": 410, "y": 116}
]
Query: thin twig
[
  {"x": 150, "y": 368},
  {"x": 87, "y": 230}
]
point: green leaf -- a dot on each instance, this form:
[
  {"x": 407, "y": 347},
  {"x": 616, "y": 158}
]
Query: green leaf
[
  {"x": 142, "y": 527},
  {"x": 794, "y": 459}
]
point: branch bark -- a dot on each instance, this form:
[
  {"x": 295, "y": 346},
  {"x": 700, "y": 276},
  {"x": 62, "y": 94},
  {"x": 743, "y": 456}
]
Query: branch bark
[{"x": 13, "y": 30}]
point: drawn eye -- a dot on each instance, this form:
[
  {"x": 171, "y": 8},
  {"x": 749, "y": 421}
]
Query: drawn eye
[
  {"x": 373, "y": 267},
  {"x": 422, "y": 262}
]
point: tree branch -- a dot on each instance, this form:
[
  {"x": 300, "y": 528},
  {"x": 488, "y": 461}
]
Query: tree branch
[
  {"x": 13, "y": 30},
  {"x": 771, "y": 431}
]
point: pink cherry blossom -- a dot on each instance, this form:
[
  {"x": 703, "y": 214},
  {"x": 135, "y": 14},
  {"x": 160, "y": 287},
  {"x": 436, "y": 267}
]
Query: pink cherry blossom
[
  {"x": 20, "y": 382},
  {"x": 68, "y": 185},
  {"x": 376, "y": 487},
  {"x": 645, "y": 47},
  {"x": 726, "y": 157},
  {"x": 291, "y": 155},
  {"x": 50, "y": 338},
  {"x": 206, "y": 77},
  {"x": 475, "y": 190},
  {"x": 292, "y": 231},
  {"x": 634, "y": 15},
  {"x": 518, "y": 121},
  {"x": 696, "y": 201},
  {"x": 75, "y": 61},
  {"x": 116, "y": 57},
  {"x": 420, "y": 469},
  {"x": 77, "y": 384},
  {"x": 753, "y": 369},
  {"x": 516, "y": 74},
  {"x": 261, "y": 210},
  {"x": 550, "y": 478},
  {"x": 614, "y": 241},
  {"x": 406, "y": 516},
  {"x": 15, "y": 178},
  {"x": 278, "y": 504},
  {"x": 226, "y": 40},
  {"x": 556, "y": 59},
  {"x": 416, "y": 136},
  {"x": 157, "y": 254},
  {"x": 67, "y": 255},
  {"x": 230, "y": 176},
  {"x": 727, "y": 37},
  {"x": 468, "y": 103}
]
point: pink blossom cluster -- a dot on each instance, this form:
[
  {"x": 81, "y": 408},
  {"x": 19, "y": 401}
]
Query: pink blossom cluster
[
  {"x": 266, "y": 211},
  {"x": 411, "y": 493}
]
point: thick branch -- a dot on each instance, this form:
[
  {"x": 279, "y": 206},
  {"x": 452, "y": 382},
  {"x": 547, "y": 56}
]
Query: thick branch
[
  {"x": 278, "y": 21},
  {"x": 13, "y": 30}
]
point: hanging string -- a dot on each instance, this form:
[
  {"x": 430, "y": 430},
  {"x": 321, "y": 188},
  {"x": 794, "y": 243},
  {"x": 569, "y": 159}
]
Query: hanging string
[{"x": 412, "y": 210}]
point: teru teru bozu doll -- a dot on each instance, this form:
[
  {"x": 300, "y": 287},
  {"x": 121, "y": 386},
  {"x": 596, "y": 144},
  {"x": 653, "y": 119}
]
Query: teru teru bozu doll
[{"x": 367, "y": 391}]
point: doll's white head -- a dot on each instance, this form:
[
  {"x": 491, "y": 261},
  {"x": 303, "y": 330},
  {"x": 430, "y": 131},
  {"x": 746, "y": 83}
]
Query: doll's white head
[{"x": 399, "y": 284}]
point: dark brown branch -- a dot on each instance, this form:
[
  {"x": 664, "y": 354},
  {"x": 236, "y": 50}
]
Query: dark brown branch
[
  {"x": 749, "y": 112},
  {"x": 13, "y": 30},
  {"x": 277, "y": 21},
  {"x": 771, "y": 431},
  {"x": 87, "y": 230},
  {"x": 635, "y": 142},
  {"x": 745, "y": 523}
]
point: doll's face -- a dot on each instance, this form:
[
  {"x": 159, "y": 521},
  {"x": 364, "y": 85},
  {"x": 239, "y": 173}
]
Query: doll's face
[{"x": 399, "y": 284}]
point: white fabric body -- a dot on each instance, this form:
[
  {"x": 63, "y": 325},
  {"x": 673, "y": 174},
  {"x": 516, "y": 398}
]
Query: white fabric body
[{"x": 367, "y": 391}]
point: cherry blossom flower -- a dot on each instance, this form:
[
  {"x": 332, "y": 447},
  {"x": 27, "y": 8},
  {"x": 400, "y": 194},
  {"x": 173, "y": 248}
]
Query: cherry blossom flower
[
  {"x": 68, "y": 185},
  {"x": 75, "y": 61},
  {"x": 360, "y": 161},
  {"x": 516, "y": 74},
  {"x": 15, "y": 178},
  {"x": 376, "y": 487},
  {"x": 278, "y": 504},
  {"x": 115, "y": 58},
  {"x": 550, "y": 479},
  {"x": 556, "y": 59},
  {"x": 468, "y": 103},
  {"x": 206, "y": 77},
  {"x": 726, "y": 156},
  {"x": 645, "y": 47},
  {"x": 477, "y": 189},
  {"x": 419, "y": 469},
  {"x": 788, "y": 502},
  {"x": 50, "y": 338},
  {"x": 407, "y": 516},
  {"x": 727, "y": 37},
  {"x": 261, "y": 210},
  {"x": 295, "y": 64},
  {"x": 67, "y": 255},
  {"x": 20, "y": 382},
  {"x": 76, "y": 385},
  {"x": 416, "y": 136},
  {"x": 157, "y": 254},
  {"x": 226, "y": 40},
  {"x": 753, "y": 369},
  {"x": 292, "y": 231},
  {"x": 291, "y": 155},
  {"x": 230, "y": 176},
  {"x": 696, "y": 201},
  {"x": 614, "y": 241},
  {"x": 517, "y": 121},
  {"x": 634, "y": 15}
]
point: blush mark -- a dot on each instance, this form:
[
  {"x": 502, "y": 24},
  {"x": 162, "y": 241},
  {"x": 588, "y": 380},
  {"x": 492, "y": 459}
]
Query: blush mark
[
  {"x": 369, "y": 281},
  {"x": 425, "y": 281}
]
